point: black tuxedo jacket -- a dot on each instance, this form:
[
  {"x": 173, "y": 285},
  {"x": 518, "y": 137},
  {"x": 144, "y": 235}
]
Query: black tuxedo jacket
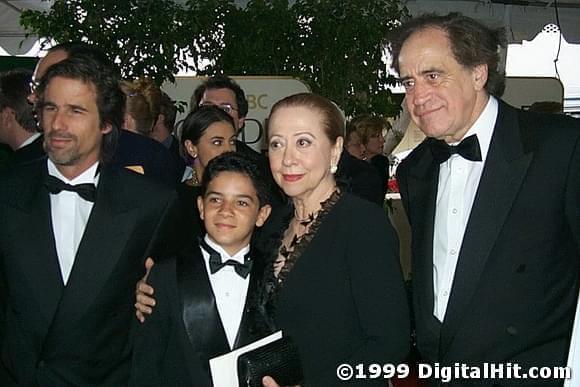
[
  {"x": 516, "y": 282},
  {"x": 174, "y": 345},
  {"x": 32, "y": 151},
  {"x": 78, "y": 334},
  {"x": 179, "y": 162},
  {"x": 137, "y": 150}
]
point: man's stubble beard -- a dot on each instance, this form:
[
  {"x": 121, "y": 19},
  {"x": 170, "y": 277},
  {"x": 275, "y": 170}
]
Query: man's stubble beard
[{"x": 67, "y": 156}]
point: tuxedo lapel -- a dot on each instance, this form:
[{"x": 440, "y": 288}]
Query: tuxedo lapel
[
  {"x": 101, "y": 246},
  {"x": 423, "y": 177},
  {"x": 199, "y": 311},
  {"x": 246, "y": 332},
  {"x": 503, "y": 174},
  {"x": 38, "y": 255}
]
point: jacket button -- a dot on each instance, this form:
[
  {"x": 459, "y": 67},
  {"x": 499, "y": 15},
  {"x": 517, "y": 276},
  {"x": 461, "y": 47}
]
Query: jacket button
[
  {"x": 40, "y": 364},
  {"x": 512, "y": 330}
]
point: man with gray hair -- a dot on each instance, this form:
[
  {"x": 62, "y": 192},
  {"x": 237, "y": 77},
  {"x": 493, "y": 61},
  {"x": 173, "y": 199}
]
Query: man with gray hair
[{"x": 493, "y": 199}]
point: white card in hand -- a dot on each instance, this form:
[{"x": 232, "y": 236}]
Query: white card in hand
[{"x": 224, "y": 368}]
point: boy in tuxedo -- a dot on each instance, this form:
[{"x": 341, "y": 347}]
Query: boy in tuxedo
[{"x": 202, "y": 294}]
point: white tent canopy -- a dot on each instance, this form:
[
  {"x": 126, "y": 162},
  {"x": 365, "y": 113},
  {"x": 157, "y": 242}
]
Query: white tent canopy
[
  {"x": 523, "y": 20},
  {"x": 13, "y": 39}
]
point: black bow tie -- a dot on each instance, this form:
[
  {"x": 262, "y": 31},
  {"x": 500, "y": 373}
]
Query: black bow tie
[
  {"x": 215, "y": 261},
  {"x": 468, "y": 149},
  {"x": 86, "y": 191}
]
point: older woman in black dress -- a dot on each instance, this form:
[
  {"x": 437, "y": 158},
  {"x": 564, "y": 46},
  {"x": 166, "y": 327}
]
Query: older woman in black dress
[{"x": 334, "y": 282}]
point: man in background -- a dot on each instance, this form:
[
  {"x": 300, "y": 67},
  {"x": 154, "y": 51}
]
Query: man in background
[
  {"x": 17, "y": 124},
  {"x": 163, "y": 130}
]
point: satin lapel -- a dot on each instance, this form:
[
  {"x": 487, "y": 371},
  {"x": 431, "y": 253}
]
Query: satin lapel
[
  {"x": 37, "y": 254},
  {"x": 503, "y": 174},
  {"x": 200, "y": 315},
  {"x": 103, "y": 242},
  {"x": 423, "y": 178},
  {"x": 246, "y": 333}
]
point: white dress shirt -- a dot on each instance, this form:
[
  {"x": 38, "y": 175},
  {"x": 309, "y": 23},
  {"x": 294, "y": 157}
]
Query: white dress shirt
[
  {"x": 229, "y": 289},
  {"x": 70, "y": 214},
  {"x": 458, "y": 182}
]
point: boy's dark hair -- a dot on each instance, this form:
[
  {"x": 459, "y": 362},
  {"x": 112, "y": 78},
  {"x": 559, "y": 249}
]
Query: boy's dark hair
[
  {"x": 239, "y": 163},
  {"x": 110, "y": 98},
  {"x": 221, "y": 82}
]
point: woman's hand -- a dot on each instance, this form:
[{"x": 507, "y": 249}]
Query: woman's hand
[
  {"x": 268, "y": 381},
  {"x": 144, "y": 294}
]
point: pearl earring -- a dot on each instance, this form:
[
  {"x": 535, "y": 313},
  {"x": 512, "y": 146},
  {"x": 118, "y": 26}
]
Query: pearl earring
[{"x": 333, "y": 169}]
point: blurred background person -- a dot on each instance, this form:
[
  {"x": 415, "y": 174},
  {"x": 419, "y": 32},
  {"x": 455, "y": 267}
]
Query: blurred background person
[
  {"x": 353, "y": 144},
  {"x": 143, "y": 105},
  {"x": 163, "y": 130},
  {"x": 354, "y": 174},
  {"x": 136, "y": 151},
  {"x": 18, "y": 127},
  {"x": 372, "y": 130}
]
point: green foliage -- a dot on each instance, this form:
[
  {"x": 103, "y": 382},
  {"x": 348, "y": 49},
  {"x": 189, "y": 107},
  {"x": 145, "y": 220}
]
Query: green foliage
[
  {"x": 337, "y": 47},
  {"x": 146, "y": 37}
]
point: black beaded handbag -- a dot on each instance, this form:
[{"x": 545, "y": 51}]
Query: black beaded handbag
[{"x": 278, "y": 359}]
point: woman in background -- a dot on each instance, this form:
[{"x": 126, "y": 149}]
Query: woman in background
[
  {"x": 371, "y": 131},
  {"x": 135, "y": 150},
  {"x": 353, "y": 144},
  {"x": 143, "y": 105},
  {"x": 206, "y": 133}
]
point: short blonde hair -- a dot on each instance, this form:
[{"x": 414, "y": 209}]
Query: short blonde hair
[
  {"x": 369, "y": 126},
  {"x": 144, "y": 99}
]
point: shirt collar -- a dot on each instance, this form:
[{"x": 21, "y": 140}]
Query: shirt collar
[
  {"x": 483, "y": 126},
  {"x": 30, "y": 140},
  {"x": 239, "y": 256},
  {"x": 90, "y": 175}
]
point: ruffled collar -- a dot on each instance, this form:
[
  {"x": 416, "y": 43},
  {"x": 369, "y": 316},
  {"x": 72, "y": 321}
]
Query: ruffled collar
[{"x": 275, "y": 283}]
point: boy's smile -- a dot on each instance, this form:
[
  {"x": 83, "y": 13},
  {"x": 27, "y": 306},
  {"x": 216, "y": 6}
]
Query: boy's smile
[{"x": 230, "y": 210}]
